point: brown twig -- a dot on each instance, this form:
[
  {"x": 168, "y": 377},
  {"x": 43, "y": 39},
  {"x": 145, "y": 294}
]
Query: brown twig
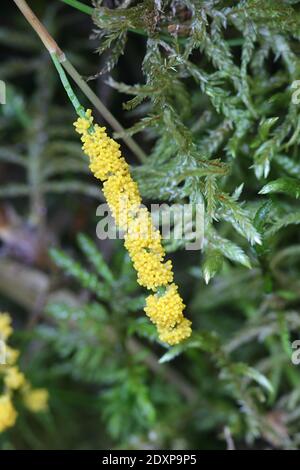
[{"x": 40, "y": 29}]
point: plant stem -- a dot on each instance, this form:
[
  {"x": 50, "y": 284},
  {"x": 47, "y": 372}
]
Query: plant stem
[
  {"x": 66, "y": 84},
  {"x": 89, "y": 11},
  {"x": 108, "y": 116},
  {"x": 80, "y": 6},
  {"x": 58, "y": 58},
  {"x": 40, "y": 29},
  {"x": 93, "y": 98}
]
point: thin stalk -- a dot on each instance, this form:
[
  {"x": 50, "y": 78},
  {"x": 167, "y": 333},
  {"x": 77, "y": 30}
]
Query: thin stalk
[
  {"x": 82, "y": 84},
  {"x": 90, "y": 11},
  {"x": 66, "y": 84},
  {"x": 107, "y": 115},
  {"x": 80, "y": 6},
  {"x": 39, "y": 28},
  {"x": 58, "y": 57}
]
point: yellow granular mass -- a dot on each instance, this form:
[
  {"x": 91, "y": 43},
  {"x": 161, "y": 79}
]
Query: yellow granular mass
[
  {"x": 36, "y": 400},
  {"x": 165, "y": 311},
  {"x": 152, "y": 272},
  {"x": 142, "y": 234},
  {"x": 176, "y": 335},
  {"x": 143, "y": 243},
  {"x": 13, "y": 378},
  {"x": 12, "y": 355},
  {"x": 112, "y": 162},
  {"x": 142, "y": 239},
  {"x": 8, "y": 414},
  {"x": 5, "y": 326},
  {"x": 83, "y": 124},
  {"x": 123, "y": 198},
  {"x": 12, "y": 382}
]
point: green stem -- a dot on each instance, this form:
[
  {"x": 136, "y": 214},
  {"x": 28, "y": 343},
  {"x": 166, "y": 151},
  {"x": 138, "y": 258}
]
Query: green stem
[
  {"x": 59, "y": 58},
  {"x": 108, "y": 116},
  {"x": 80, "y": 6},
  {"x": 63, "y": 62},
  {"x": 66, "y": 84}
]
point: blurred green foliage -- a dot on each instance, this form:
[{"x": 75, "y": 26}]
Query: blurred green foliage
[{"x": 211, "y": 104}]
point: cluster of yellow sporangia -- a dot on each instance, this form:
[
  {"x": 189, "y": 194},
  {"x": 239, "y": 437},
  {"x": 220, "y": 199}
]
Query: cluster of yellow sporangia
[
  {"x": 142, "y": 239},
  {"x": 13, "y": 381}
]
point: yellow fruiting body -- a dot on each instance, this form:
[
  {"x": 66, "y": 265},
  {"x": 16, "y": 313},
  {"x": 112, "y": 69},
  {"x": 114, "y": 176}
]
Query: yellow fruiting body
[
  {"x": 12, "y": 355},
  {"x": 165, "y": 310},
  {"x": 8, "y": 414},
  {"x": 13, "y": 378},
  {"x": 142, "y": 239},
  {"x": 176, "y": 335},
  {"x": 12, "y": 381},
  {"x": 5, "y": 326},
  {"x": 36, "y": 400}
]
